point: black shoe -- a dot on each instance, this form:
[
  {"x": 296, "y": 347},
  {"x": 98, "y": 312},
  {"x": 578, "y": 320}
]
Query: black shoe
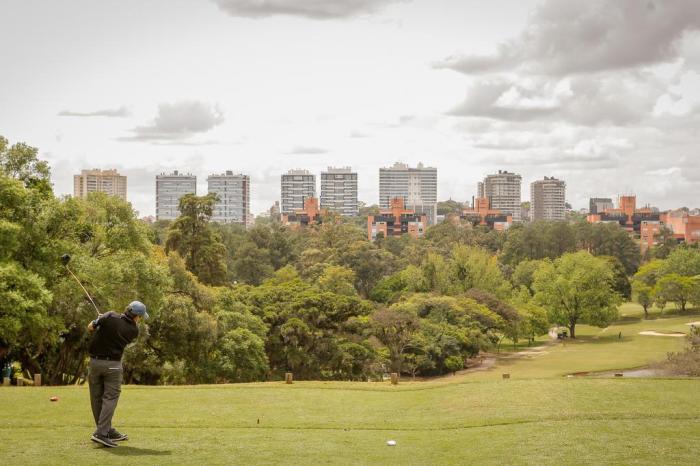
[
  {"x": 104, "y": 440},
  {"x": 115, "y": 436}
]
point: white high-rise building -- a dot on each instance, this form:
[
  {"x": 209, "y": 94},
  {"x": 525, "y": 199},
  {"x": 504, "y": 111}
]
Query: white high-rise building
[
  {"x": 297, "y": 185},
  {"x": 99, "y": 181},
  {"x": 170, "y": 187},
  {"x": 339, "y": 191},
  {"x": 503, "y": 191},
  {"x": 233, "y": 191},
  {"x": 548, "y": 199},
  {"x": 416, "y": 186}
]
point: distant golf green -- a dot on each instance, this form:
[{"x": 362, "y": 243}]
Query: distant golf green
[{"x": 538, "y": 416}]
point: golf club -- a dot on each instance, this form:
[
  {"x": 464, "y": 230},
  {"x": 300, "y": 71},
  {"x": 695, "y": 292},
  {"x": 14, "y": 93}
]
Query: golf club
[{"x": 65, "y": 259}]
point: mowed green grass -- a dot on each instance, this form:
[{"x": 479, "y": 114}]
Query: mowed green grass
[
  {"x": 536, "y": 417},
  {"x": 617, "y": 347}
]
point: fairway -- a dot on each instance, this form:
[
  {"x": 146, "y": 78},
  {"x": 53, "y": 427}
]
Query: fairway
[
  {"x": 530, "y": 421},
  {"x": 539, "y": 416}
]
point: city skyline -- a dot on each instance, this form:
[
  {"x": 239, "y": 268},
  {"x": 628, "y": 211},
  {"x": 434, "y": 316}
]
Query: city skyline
[
  {"x": 479, "y": 192},
  {"x": 257, "y": 87}
]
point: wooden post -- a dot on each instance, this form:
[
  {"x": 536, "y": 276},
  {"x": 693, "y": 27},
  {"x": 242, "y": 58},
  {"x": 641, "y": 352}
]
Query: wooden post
[
  {"x": 288, "y": 378},
  {"x": 20, "y": 381},
  {"x": 506, "y": 376},
  {"x": 394, "y": 378},
  {"x": 6, "y": 381},
  {"x": 37, "y": 380}
]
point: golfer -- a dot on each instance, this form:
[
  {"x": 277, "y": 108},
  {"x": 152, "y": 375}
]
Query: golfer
[{"x": 112, "y": 332}]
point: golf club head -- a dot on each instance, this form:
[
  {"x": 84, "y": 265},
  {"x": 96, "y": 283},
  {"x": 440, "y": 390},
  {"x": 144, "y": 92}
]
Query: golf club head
[{"x": 65, "y": 259}]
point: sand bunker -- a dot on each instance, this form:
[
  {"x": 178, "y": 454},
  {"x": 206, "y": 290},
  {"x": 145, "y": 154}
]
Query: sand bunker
[
  {"x": 697, "y": 324},
  {"x": 658, "y": 334}
]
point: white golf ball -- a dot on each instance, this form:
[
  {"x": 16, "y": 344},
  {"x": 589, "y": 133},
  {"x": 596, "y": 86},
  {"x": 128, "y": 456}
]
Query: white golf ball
[{"x": 391, "y": 443}]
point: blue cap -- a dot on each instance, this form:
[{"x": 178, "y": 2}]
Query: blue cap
[{"x": 137, "y": 308}]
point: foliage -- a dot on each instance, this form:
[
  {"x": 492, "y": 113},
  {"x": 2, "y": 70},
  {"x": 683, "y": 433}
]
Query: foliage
[
  {"x": 577, "y": 288},
  {"x": 194, "y": 239}
]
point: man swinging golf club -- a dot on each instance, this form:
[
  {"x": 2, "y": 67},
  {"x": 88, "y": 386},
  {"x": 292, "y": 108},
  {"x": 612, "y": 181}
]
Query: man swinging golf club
[{"x": 112, "y": 332}]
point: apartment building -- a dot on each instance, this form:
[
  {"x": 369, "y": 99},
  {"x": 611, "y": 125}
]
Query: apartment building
[
  {"x": 339, "y": 191},
  {"x": 417, "y": 186},
  {"x": 103, "y": 181},
  {"x": 548, "y": 199},
  {"x": 170, "y": 187},
  {"x": 502, "y": 189},
  {"x": 297, "y": 185},
  {"x": 233, "y": 204}
]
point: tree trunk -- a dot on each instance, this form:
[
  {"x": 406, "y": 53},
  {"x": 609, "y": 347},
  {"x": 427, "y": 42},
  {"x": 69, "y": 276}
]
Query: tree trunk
[
  {"x": 572, "y": 330},
  {"x": 646, "y": 311}
]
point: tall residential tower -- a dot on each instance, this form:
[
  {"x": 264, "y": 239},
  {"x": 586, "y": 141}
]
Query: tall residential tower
[
  {"x": 233, "y": 205},
  {"x": 416, "y": 186},
  {"x": 503, "y": 192},
  {"x": 103, "y": 181},
  {"x": 170, "y": 187},
  {"x": 297, "y": 185},
  {"x": 339, "y": 191},
  {"x": 548, "y": 199}
]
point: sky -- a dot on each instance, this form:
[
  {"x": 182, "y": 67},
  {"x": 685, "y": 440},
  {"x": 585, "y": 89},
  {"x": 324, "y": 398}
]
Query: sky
[{"x": 604, "y": 94}]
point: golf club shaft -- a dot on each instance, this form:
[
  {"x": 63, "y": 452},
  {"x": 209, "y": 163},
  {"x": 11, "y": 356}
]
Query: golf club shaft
[{"x": 86, "y": 291}]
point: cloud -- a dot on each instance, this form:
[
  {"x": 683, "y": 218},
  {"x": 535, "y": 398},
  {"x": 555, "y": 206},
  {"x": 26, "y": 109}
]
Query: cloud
[
  {"x": 315, "y": 9},
  {"x": 179, "y": 121},
  {"x": 120, "y": 112},
  {"x": 307, "y": 150},
  {"x": 566, "y": 37},
  {"x": 589, "y": 101}
]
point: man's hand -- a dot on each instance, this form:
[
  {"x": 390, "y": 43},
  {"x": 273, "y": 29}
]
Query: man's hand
[{"x": 92, "y": 326}]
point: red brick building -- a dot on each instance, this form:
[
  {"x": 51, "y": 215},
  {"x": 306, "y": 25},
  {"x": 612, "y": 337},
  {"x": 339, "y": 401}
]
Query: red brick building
[
  {"x": 396, "y": 221},
  {"x": 311, "y": 214},
  {"x": 482, "y": 214},
  {"x": 685, "y": 227}
]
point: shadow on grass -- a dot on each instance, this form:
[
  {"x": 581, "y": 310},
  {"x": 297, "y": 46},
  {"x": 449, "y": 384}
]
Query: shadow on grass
[
  {"x": 628, "y": 320},
  {"x": 124, "y": 450}
]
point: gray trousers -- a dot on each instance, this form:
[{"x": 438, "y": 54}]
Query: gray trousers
[{"x": 105, "y": 380}]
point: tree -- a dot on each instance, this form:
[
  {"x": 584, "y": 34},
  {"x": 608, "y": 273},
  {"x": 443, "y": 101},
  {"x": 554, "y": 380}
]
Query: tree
[
  {"x": 644, "y": 294},
  {"x": 338, "y": 280},
  {"x": 24, "y": 321},
  {"x": 677, "y": 289},
  {"x": 20, "y": 162},
  {"x": 475, "y": 268},
  {"x": 395, "y": 327},
  {"x": 193, "y": 238},
  {"x": 241, "y": 356},
  {"x": 577, "y": 288},
  {"x": 454, "y": 363},
  {"x": 605, "y": 239},
  {"x": 621, "y": 283},
  {"x": 524, "y": 274},
  {"x": 683, "y": 261},
  {"x": 252, "y": 264},
  {"x": 369, "y": 263}
]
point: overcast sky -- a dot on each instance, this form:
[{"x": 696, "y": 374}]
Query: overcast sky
[{"x": 604, "y": 94}]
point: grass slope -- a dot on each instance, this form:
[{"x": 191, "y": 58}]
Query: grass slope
[{"x": 537, "y": 417}]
